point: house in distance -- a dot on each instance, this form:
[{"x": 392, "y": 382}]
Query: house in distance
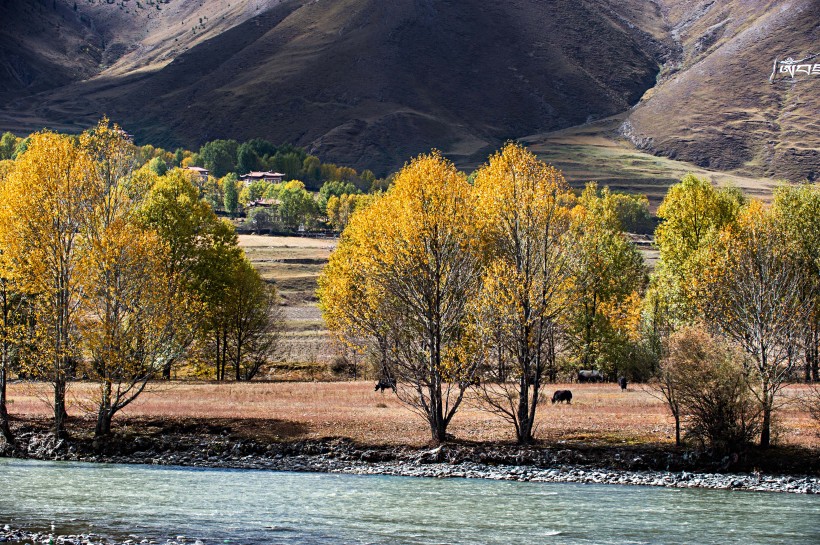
[
  {"x": 201, "y": 172},
  {"x": 254, "y": 176}
]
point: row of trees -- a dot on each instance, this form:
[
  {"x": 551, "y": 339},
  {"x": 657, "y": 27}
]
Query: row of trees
[
  {"x": 447, "y": 282},
  {"x": 501, "y": 281},
  {"x": 748, "y": 274},
  {"x": 112, "y": 272}
]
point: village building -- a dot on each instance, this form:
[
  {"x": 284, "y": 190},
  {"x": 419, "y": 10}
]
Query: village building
[
  {"x": 201, "y": 172},
  {"x": 270, "y": 177}
]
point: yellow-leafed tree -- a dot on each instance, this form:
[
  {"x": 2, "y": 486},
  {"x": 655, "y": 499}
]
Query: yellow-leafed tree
[
  {"x": 409, "y": 262},
  {"x": 126, "y": 333},
  {"x": 44, "y": 209},
  {"x": 754, "y": 294},
  {"x": 524, "y": 217}
]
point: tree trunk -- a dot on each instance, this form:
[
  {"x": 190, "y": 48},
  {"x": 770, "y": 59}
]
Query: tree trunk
[
  {"x": 103, "y": 427},
  {"x": 524, "y": 422},
  {"x": 5, "y": 429},
  {"x": 104, "y": 414},
  {"x": 60, "y": 414},
  {"x": 677, "y": 429},
  {"x": 765, "y": 432}
]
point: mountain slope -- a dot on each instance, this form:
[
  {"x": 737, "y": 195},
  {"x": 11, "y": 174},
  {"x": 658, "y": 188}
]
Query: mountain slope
[
  {"x": 371, "y": 82},
  {"x": 727, "y": 114}
]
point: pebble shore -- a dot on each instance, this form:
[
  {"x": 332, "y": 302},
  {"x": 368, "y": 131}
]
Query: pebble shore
[{"x": 445, "y": 461}]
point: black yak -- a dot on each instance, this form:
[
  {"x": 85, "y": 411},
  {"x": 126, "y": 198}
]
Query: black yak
[
  {"x": 386, "y": 383},
  {"x": 562, "y": 395}
]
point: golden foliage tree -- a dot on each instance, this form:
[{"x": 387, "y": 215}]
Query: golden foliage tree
[
  {"x": 125, "y": 330},
  {"x": 45, "y": 205},
  {"x": 692, "y": 214},
  {"x": 797, "y": 208},
  {"x": 410, "y": 259},
  {"x": 523, "y": 211},
  {"x": 198, "y": 244},
  {"x": 754, "y": 295}
]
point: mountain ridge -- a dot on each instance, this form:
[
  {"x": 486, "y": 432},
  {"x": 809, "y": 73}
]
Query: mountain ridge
[{"x": 371, "y": 84}]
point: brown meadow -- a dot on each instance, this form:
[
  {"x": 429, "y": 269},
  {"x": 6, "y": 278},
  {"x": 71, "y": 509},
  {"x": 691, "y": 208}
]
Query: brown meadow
[{"x": 600, "y": 414}]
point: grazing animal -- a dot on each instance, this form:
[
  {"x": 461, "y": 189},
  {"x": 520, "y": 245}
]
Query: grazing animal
[
  {"x": 386, "y": 383},
  {"x": 562, "y": 395},
  {"x": 586, "y": 375},
  {"x": 622, "y": 382}
]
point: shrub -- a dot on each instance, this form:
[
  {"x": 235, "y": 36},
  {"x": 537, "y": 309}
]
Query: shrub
[{"x": 709, "y": 384}]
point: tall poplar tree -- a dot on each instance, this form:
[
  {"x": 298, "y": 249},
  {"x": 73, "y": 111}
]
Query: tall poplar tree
[
  {"x": 44, "y": 209},
  {"x": 524, "y": 214},
  {"x": 417, "y": 246}
]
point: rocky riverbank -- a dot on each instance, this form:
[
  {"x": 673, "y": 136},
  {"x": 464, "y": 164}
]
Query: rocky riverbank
[
  {"x": 17, "y": 535},
  {"x": 220, "y": 446}
]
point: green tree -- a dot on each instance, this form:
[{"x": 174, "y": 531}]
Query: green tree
[
  {"x": 334, "y": 188},
  {"x": 289, "y": 163},
  {"x": 311, "y": 171},
  {"x": 179, "y": 155},
  {"x": 246, "y": 159},
  {"x": 691, "y": 214},
  {"x": 195, "y": 238},
  {"x": 297, "y": 206},
  {"x": 22, "y": 146},
  {"x": 8, "y": 143},
  {"x": 229, "y": 188},
  {"x": 158, "y": 166},
  {"x": 607, "y": 281},
  {"x": 797, "y": 208},
  {"x": 219, "y": 156}
]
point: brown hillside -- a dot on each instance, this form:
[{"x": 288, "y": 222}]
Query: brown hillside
[
  {"x": 370, "y": 82},
  {"x": 727, "y": 116}
]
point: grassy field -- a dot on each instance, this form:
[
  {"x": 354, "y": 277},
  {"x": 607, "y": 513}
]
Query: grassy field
[
  {"x": 600, "y": 414},
  {"x": 293, "y": 265},
  {"x": 593, "y": 152}
]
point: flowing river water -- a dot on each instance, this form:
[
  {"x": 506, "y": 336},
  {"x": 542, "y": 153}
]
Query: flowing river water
[{"x": 245, "y": 507}]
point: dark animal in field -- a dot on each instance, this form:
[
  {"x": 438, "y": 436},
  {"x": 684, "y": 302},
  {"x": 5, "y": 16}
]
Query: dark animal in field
[
  {"x": 386, "y": 383},
  {"x": 562, "y": 395},
  {"x": 586, "y": 375},
  {"x": 622, "y": 382}
]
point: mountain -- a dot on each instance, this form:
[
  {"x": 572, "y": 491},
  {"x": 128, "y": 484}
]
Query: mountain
[
  {"x": 370, "y": 83},
  {"x": 725, "y": 114}
]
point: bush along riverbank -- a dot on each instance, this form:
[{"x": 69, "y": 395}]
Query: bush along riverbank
[{"x": 218, "y": 445}]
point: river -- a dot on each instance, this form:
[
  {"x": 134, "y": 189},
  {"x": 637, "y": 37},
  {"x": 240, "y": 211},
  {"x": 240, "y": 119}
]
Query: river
[{"x": 246, "y": 507}]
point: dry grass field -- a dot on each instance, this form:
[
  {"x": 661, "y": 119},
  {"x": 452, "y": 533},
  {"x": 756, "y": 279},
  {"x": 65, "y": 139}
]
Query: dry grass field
[
  {"x": 600, "y": 414},
  {"x": 293, "y": 265},
  {"x": 594, "y": 152}
]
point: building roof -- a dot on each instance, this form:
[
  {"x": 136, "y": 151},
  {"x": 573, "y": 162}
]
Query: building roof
[
  {"x": 257, "y": 174},
  {"x": 265, "y": 202},
  {"x": 198, "y": 169}
]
